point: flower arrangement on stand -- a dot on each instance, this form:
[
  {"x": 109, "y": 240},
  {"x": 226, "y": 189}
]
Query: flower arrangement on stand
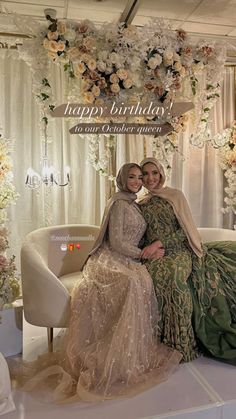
[
  {"x": 9, "y": 281},
  {"x": 227, "y": 154}
]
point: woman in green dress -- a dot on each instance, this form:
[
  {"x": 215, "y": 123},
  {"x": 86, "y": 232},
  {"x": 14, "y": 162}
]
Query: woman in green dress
[{"x": 195, "y": 284}]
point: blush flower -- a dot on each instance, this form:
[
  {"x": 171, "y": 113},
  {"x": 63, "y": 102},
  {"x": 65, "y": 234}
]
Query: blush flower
[
  {"x": 89, "y": 97},
  {"x": 52, "y": 35},
  {"x": 92, "y": 64},
  {"x": 96, "y": 91},
  {"x": 61, "y": 27},
  {"x": 60, "y": 46},
  {"x": 53, "y": 46},
  {"x": 127, "y": 83},
  {"x": 79, "y": 69},
  {"x": 73, "y": 53},
  {"x": 114, "y": 78},
  {"x": 122, "y": 74},
  {"x": 115, "y": 88}
]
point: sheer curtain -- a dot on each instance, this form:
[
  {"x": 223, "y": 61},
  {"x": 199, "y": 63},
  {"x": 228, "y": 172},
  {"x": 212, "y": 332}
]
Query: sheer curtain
[
  {"x": 198, "y": 175},
  {"x": 84, "y": 201}
]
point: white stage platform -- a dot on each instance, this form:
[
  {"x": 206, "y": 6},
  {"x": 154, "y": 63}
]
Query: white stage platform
[{"x": 203, "y": 389}]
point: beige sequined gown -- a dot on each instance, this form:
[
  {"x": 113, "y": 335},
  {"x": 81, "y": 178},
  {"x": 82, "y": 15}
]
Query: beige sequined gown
[{"x": 111, "y": 348}]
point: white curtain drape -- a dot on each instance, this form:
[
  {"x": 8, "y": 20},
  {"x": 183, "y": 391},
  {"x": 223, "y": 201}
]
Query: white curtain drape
[
  {"x": 199, "y": 175},
  {"x": 84, "y": 201}
]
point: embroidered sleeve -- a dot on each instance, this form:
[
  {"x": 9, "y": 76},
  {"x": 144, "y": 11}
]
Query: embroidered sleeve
[{"x": 121, "y": 236}]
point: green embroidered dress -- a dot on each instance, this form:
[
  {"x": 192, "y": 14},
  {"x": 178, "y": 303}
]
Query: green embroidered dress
[{"x": 196, "y": 296}]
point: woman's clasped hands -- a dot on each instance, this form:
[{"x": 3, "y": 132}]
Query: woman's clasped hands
[{"x": 153, "y": 251}]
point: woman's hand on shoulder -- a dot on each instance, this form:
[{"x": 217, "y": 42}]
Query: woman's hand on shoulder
[{"x": 153, "y": 251}]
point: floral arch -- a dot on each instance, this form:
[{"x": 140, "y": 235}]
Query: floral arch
[{"x": 130, "y": 64}]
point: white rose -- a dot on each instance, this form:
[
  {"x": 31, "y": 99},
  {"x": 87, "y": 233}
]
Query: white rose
[
  {"x": 70, "y": 35},
  {"x": 158, "y": 58},
  {"x": 108, "y": 70},
  {"x": 63, "y": 59},
  {"x": 101, "y": 66},
  {"x": 168, "y": 55},
  {"x": 102, "y": 55},
  {"x": 152, "y": 63},
  {"x": 197, "y": 67},
  {"x": 113, "y": 57}
]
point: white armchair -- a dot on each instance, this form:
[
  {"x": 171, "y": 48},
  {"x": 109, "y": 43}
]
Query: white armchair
[
  {"x": 51, "y": 262},
  {"x": 216, "y": 234}
]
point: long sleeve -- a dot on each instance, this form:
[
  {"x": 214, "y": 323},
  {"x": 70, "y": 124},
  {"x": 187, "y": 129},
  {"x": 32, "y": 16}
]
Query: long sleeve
[{"x": 120, "y": 237}]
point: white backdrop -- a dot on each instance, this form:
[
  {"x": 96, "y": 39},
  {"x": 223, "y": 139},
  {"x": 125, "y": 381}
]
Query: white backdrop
[{"x": 199, "y": 175}]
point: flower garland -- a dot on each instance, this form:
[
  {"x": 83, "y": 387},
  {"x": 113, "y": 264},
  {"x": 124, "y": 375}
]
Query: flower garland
[
  {"x": 211, "y": 58},
  {"x": 227, "y": 154},
  {"x": 164, "y": 147},
  {"x": 9, "y": 282},
  {"x": 102, "y": 164},
  {"x": 44, "y": 98}
]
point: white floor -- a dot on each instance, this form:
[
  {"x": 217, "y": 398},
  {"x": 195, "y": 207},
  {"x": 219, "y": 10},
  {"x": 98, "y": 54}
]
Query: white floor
[{"x": 203, "y": 389}]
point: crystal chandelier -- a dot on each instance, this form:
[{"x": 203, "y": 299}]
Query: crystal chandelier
[{"x": 49, "y": 175}]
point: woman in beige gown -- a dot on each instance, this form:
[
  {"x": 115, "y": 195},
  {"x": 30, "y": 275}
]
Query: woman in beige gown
[{"x": 111, "y": 349}]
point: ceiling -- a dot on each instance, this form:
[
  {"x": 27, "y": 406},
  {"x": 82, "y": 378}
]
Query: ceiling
[{"x": 210, "y": 18}]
